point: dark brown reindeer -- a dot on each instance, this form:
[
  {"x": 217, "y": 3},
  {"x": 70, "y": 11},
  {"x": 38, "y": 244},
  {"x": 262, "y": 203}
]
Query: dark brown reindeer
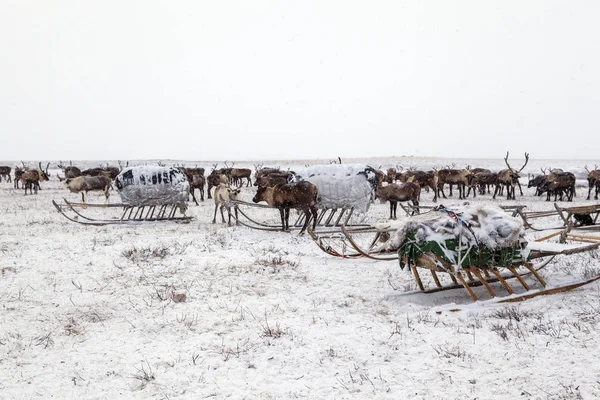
[
  {"x": 510, "y": 178},
  {"x": 31, "y": 178},
  {"x": 559, "y": 184},
  {"x": 5, "y": 171},
  {"x": 301, "y": 195},
  {"x": 270, "y": 176},
  {"x": 427, "y": 180},
  {"x": 69, "y": 171},
  {"x": 593, "y": 179},
  {"x": 196, "y": 180},
  {"x": 271, "y": 180},
  {"x": 18, "y": 173},
  {"x": 215, "y": 178},
  {"x": 537, "y": 180},
  {"x": 459, "y": 177},
  {"x": 399, "y": 192},
  {"x": 108, "y": 171},
  {"x": 239, "y": 174}
]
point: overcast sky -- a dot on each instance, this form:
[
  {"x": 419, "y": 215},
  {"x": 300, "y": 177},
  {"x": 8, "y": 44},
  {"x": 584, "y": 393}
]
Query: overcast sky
[{"x": 213, "y": 80}]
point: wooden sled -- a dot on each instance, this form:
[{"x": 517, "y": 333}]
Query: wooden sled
[
  {"x": 326, "y": 218},
  {"x": 130, "y": 214},
  {"x": 566, "y": 215},
  {"x": 484, "y": 275}
]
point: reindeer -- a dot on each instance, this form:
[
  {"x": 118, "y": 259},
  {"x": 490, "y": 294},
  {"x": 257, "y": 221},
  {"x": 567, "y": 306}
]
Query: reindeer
[
  {"x": 558, "y": 184},
  {"x": 18, "y": 173},
  {"x": 196, "y": 182},
  {"x": 427, "y": 180},
  {"x": 69, "y": 171},
  {"x": 510, "y": 178},
  {"x": 593, "y": 179},
  {"x": 108, "y": 171},
  {"x": 85, "y": 184},
  {"x": 409, "y": 191},
  {"x": 215, "y": 178},
  {"x": 451, "y": 177},
  {"x": 5, "y": 172},
  {"x": 391, "y": 175},
  {"x": 301, "y": 195},
  {"x": 271, "y": 174},
  {"x": 31, "y": 178},
  {"x": 239, "y": 174},
  {"x": 271, "y": 180},
  {"x": 537, "y": 181},
  {"x": 223, "y": 195}
]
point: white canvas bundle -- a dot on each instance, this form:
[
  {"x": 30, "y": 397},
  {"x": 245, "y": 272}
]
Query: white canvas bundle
[
  {"x": 341, "y": 185},
  {"x": 152, "y": 185}
]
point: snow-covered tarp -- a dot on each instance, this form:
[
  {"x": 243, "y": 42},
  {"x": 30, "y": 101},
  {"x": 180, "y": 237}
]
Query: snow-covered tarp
[
  {"x": 342, "y": 185},
  {"x": 463, "y": 234},
  {"x": 152, "y": 185}
]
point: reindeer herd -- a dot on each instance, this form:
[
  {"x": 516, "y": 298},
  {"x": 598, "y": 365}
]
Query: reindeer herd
[{"x": 275, "y": 186}]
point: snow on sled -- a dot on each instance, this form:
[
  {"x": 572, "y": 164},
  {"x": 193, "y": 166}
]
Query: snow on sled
[
  {"x": 344, "y": 195},
  {"x": 148, "y": 193},
  {"x": 472, "y": 246}
]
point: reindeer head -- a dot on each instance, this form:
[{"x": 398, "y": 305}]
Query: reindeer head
[
  {"x": 44, "y": 173},
  {"x": 514, "y": 173}
]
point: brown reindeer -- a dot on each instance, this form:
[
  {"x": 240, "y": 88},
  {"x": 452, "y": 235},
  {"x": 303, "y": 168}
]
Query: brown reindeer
[
  {"x": 85, "y": 184},
  {"x": 271, "y": 180},
  {"x": 427, "y": 180},
  {"x": 31, "y": 178},
  {"x": 459, "y": 177},
  {"x": 510, "y": 178},
  {"x": 483, "y": 180},
  {"x": 301, "y": 195},
  {"x": 69, "y": 171},
  {"x": 5, "y": 172},
  {"x": 239, "y": 174},
  {"x": 558, "y": 183},
  {"x": 593, "y": 181},
  {"x": 394, "y": 192},
  {"x": 215, "y": 178},
  {"x": 18, "y": 173},
  {"x": 391, "y": 175},
  {"x": 197, "y": 182}
]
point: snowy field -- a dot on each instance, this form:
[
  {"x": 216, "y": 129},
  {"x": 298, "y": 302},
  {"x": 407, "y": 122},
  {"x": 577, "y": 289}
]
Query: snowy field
[{"x": 191, "y": 311}]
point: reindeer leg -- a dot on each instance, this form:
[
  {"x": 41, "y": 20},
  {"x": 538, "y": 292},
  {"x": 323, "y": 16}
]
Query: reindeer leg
[
  {"x": 306, "y": 220},
  {"x": 222, "y": 216},
  {"x": 192, "y": 190},
  {"x": 282, "y": 214},
  {"x": 391, "y": 210},
  {"x": 215, "y": 216}
]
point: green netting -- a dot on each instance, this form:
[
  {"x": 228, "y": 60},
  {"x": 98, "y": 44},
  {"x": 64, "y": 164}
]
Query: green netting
[{"x": 471, "y": 256}]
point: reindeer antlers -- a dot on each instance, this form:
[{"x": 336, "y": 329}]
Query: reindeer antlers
[{"x": 512, "y": 169}]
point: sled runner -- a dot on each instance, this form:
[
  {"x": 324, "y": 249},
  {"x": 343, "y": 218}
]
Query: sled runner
[{"x": 129, "y": 214}]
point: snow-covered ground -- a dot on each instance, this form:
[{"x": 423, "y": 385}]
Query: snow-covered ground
[{"x": 199, "y": 310}]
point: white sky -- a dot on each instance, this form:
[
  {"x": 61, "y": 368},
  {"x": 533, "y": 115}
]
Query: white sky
[{"x": 212, "y": 80}]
